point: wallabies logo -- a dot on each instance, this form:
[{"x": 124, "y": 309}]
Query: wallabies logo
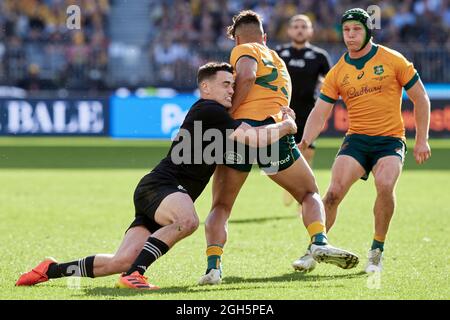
[{"x": 378, "y": 70}]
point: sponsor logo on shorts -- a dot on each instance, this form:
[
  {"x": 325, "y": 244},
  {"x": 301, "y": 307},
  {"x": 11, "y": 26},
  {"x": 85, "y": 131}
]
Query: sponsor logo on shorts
[
  {"x": 281, "y": 162},
  {"x": 233, "y": 157}
]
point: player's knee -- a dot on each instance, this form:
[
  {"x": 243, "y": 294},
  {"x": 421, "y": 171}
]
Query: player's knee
[
  {"x": 308, "y": 197},
  {"x": 384, "y": 186},
  {"x": 188, "y": 224},
  {"x": 313, "y": 188},
  {"x": 308, "y": 189},
  {"x": 195, "y": 223},
  {"x": 333, "y": 196}
]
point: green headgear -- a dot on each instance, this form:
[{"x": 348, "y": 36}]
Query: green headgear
[{"x": 360, "y": 15}]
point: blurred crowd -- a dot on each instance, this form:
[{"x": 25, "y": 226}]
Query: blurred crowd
[
  {"x": 203, "y": 22},
  {"x": 38, "y": 51},
  {"x": 195, "y": 30}
]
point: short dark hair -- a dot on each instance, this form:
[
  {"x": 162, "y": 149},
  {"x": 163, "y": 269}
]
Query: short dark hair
[
  {"x": 243, "y": 17},
  {"x": 210, "y": 69}
]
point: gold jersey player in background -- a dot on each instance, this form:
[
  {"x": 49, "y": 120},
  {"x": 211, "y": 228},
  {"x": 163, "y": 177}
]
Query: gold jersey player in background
[
  {"x": 262, "y": 88},
  {"x": 369, "y": 78}
]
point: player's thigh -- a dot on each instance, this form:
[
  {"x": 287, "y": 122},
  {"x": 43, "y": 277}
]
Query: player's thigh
[
  {"x": 309, "y": 155},
  {"x": 346, "y": 171},
  {"x": 227, "y": 182},
  {"x": 132, "y": 243},
  {"x": 298, "y": 179},
  {"x": 386, "y": 171},
  {"x": 175, "y": 207}
]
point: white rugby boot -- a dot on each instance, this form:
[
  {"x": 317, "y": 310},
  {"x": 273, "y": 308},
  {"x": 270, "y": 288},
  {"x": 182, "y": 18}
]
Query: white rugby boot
[
  {"x": 339, "y": 257},
  {"x": 214, "y": 276},
  {"x": 305, "y": 263},
  {"x": 374, "y": 263}
]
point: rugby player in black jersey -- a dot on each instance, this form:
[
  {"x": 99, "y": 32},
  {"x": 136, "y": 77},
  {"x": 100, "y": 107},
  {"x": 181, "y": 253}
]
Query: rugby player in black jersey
[
  {"x": 164, "y": 198},
  {"x": 307, "y": 66}
]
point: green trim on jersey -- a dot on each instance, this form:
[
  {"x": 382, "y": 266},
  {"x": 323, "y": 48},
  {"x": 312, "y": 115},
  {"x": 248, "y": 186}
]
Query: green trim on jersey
[
  {"x": 264, "y": 81},
  {"x": 326, "y": 98},
  {"x": 412, "y": 82},
  {"x": 361, "y": 62}
]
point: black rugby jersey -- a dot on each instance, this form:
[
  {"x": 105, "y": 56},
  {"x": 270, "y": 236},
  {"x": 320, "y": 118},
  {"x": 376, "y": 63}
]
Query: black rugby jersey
[
  {"x": 305, "y": 66},
  {"x": 194, "y": 174}
]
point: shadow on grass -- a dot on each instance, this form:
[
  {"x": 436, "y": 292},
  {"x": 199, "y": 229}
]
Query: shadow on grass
[
  {"x": 114, "y": 292},
  {"x": 260, "y": 220},
  {"x": 294, "y": 276},
  {"x": 227, "y": 285}
]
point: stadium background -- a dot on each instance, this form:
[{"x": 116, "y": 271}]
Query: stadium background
[
  {"x": 129, "y": 59},
  {"x": 129, "y": 72}
]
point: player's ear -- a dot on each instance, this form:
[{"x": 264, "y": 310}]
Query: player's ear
[
  {"x": 204, "y": 86},
  {"x": 265, "y": 37}
]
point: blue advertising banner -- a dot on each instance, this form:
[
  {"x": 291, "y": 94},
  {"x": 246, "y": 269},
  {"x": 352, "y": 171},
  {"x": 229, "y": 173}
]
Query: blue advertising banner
[
  {"x": 160, "y": 118},
  {"x": 152, "y": 117},
  {"x": 54, "y": 117}
]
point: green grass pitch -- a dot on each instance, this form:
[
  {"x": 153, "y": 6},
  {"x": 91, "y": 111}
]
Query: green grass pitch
[{"x": 70, "y": 198}]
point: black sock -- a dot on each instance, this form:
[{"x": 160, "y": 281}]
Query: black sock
[
  {"x": 78, "y": 268},
  {"x": 153, "y": 249}
]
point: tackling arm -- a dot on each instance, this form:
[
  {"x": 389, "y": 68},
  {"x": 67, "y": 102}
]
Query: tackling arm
[{"x": 264, "y": 135}]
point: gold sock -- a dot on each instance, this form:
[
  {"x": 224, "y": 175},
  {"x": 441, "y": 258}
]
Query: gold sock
[{"x": 315, "y": 228}]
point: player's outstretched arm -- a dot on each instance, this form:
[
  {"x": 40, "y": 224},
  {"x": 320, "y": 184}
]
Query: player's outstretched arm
[
  {"x": 264, "y": 135},
  {"x": 419, "y": 96},
  {"x": 315, "y": 122}
]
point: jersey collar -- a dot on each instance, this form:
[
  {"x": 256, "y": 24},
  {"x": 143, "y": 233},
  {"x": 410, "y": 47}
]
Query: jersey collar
[{"x": 360, "y": 62}]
